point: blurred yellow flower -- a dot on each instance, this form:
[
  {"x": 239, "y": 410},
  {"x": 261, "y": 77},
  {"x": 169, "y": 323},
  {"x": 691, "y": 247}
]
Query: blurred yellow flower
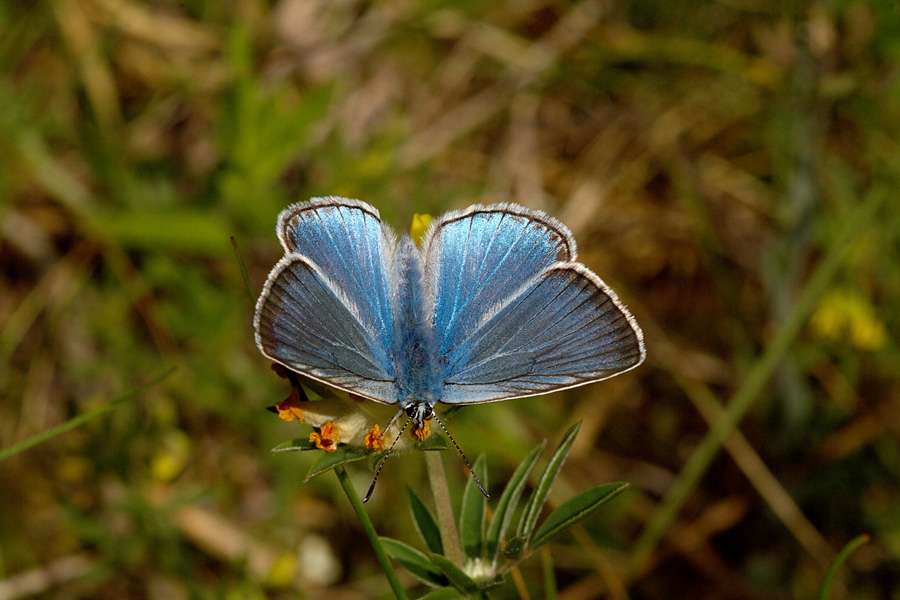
[
  {"x": 843, "y": 315},
  {"x": 420, "y": 223},
  {"x": 173, "y": 456}
]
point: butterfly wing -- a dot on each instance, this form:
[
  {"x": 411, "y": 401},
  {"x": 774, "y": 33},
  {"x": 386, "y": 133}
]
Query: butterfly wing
[
  {"x": 347, "y": 241},
  {"x": 477, "y": 257},
  {"x": 549, "y": 325},
  {"x": 325, "y": 310}
]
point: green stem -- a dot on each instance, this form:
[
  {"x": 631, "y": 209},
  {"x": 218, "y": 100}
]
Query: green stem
[
  {"x": 756, "y": 379},
  {"x": 842, "y": 556},
  {"x": 367, "y": 526},
  {"x": 74, "y": 422},
  {"x": 437, "y": 478}
]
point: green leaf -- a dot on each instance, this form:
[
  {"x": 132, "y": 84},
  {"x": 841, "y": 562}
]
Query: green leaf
[
  {"x": 297, "y": 445},
  {"x": 575, "y": 509},
  {"x": 539, "y": 496},
  {"x": 414, "y": 561},
  {"x": 457, "y": 576},
  {"x": 447, "y": 593},
  {"x": 509, "y": 500},
  {"x": 332, "y": 459},
  {"x": 433, "y": 442},
  {"x": 473, "y": 513},
  {"x": 425, "y": 523}
]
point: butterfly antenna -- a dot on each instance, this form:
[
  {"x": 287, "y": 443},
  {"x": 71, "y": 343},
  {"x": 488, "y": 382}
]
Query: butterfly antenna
[
  {"x": 391, "y": 424},
  {"x": 386, "y": 454},
  {"x": 466, "y": 460}
]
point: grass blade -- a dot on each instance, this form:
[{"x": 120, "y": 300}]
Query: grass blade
[
  {"x": 74, "y": 422},
  {"x": 839, "y": 561},
  {"x": 447, "y": 593},
  {"x": 756, "y": 379}
]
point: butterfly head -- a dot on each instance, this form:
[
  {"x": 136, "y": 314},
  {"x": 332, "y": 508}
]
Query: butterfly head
[{"x": 420, "y": 413}]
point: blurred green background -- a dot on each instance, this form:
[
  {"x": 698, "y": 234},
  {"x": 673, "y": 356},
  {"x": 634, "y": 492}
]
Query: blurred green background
[{"x": 708, "y": 156}]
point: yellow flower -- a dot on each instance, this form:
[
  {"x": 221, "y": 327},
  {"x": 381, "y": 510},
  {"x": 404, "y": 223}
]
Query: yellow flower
[
  {"x": 289, "y": 409},
  {"x": 844, "y": 314},
  {"x": 326, "y": 438},
  {"x": 341, "y": 417},
  {"x": 419, "y": 226},
  {"x": 374, "y": 440},
  {"x": 421, "y": 434}
]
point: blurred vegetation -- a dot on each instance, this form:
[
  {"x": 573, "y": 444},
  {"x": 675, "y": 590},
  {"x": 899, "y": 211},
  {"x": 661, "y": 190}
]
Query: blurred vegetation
[{"x": 707, "y": 156}]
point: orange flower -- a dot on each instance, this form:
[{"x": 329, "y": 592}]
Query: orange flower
[
  {"x": 421, "y": 434},
  {"x": 326, "y": 438},
  {"x": 373, "y": 439},
  {"x": 289, "y": 409}
]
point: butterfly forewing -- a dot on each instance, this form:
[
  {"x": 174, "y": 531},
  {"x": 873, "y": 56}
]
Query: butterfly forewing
[{"x": 347, "y": 242}]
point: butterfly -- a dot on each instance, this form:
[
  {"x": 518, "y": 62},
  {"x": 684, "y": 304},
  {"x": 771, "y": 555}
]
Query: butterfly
[{"x": 492, "y": 305}]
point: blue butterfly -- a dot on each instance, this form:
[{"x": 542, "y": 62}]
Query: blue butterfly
[{"x": 491, "y": 306}]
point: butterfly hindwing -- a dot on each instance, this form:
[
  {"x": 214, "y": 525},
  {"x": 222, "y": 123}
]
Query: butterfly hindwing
[
  {"x": 304, "y": 322},
  {"x": 564, "y": 329}
]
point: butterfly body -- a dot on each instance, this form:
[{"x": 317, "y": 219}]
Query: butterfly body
[
  {"x": 491, "y": 305},
  {"x": 414, "y": 356}
]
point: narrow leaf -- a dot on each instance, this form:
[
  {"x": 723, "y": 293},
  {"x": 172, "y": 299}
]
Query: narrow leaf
[
  {"x": 838, "y": 562},
  {"x": 473, "y": 513},
  {"x": 297, "y": 445},
  {"x": 414, "y": 561},
  {"x": 509, "y": 500},
  {"x": 425, "y": 523},
  {"x": 332, "y": 459},
  {"x": 575, "y": 509},
  {"x": 455, "y": 575},
  {"x": 539, "y": 496},
  {"x": 434, "y": 441},
  {"x": 447, "y": 593}
]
